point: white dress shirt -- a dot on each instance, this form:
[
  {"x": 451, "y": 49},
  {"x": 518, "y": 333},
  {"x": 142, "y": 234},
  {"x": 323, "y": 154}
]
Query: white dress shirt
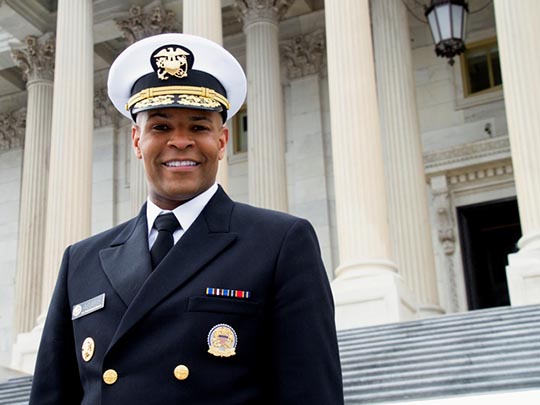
[{"x": 186, "y": 214}]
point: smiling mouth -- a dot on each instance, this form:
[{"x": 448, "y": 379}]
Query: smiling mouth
[{"x": 181, "y": 163}]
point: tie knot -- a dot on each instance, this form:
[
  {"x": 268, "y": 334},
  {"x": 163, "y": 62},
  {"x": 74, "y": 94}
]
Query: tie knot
[{"x": 167, "y": 222}]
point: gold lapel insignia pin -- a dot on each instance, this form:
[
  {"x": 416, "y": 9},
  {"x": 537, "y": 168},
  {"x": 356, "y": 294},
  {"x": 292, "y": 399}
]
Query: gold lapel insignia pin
[{"x": 87, "y": 349}]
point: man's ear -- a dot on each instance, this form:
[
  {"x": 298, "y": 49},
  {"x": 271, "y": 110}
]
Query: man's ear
[
  {"x": 135, "y": 138},
  {"x": 223, "y": 140}
]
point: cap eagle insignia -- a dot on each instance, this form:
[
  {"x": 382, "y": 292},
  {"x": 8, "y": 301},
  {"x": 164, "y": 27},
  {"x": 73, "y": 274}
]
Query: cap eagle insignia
[{"x": 171, "y": 62}]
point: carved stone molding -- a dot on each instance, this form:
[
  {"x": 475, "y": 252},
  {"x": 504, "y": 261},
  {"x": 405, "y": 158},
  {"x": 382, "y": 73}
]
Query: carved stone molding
[
  {"x": 12, "y": 127},
  {"x": 445, "y": 226},
  {"x": 140, "y": 24},
  {"x": 252, "y": 11},
  {"x": 444, "y": 221},
  {"x": 465, "y": 155},
  {"x": 36, "y": 58},
  {"x": 497, "y": 169},
  {"x": 104, "y": 112},
  {"x": 304, "y": 54}
]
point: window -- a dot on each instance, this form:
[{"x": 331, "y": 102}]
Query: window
[
  {"x": 481, "y": 68},
  {"x": 240, "y": 138}
]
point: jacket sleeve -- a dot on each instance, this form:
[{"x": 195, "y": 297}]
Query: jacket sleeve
[
  {"x": 306, "y": 357},
  {"x": 56, "y": 377}
]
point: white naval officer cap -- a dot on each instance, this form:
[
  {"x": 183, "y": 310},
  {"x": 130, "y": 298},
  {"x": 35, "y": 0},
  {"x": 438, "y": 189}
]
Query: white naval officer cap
[{"x": 176, "y": 70}]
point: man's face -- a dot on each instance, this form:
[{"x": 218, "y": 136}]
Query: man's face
[{"x": 180, "y": 149}]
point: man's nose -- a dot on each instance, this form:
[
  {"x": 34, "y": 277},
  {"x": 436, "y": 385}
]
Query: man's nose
[{"x": 180, "y": 138}]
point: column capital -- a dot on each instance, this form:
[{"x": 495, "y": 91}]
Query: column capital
[
  {"x": 36, "y": 58},
  {"x": 12, "y": 127},
  {"x": 304, "y": 53},
  {"x": 252, "y": 11},
  {"x": 141, "y": 24},
  {"x": 104, "y": 111}
]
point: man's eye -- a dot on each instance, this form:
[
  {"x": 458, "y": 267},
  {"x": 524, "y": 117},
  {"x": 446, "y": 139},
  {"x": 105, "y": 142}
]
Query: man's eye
[
  {"x": 160, "y": 127},
  {"x": 199, "y": 128}
]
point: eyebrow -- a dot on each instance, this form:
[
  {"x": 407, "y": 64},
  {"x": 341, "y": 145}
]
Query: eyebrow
[
  {"x": 157, "y": 113},
  {"x": 192, "y": 118},
  {"x": 201, "y": 118}
]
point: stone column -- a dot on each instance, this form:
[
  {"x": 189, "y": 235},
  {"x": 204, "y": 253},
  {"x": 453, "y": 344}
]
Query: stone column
[
  {"x": 266, "y": 151},
  {"x": 203, "y": 18},
  {"x": 367, "y": 288},
  {"x": 408, "y": 213},
  {"x": 70, "y": 178},
  {"x": 517, "y": 34},
  {"x": 140, "y": 24},
  {"x": 37, "y": 63},
  {"x": 69, "y": 193}
]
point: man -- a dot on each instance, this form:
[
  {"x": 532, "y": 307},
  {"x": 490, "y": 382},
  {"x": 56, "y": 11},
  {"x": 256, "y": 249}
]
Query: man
[{"x": 198, "y": 300}]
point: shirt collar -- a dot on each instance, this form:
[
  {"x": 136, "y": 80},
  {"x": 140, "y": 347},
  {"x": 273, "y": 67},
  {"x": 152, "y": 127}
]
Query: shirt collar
[{"x": 186, "y": 213}]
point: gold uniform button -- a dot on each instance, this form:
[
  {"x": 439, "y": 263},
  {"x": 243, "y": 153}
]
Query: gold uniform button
[
  {"x": 110, "y": 376},
  {"x": 181, "y": 372}
]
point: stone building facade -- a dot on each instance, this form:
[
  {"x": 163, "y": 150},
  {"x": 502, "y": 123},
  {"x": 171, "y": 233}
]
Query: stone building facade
[{"x": 406, "y": 172}]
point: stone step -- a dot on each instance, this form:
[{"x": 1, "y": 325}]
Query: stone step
[
  {"x": 433, "y": 365},
  {"x": 397, "y": 336},
  {"x": 450, "y": 322},
  {"x": 15, "y": 391},
  {"x": 443, "y": 346},
  {"x": 447, "y": 379},
  {"x": 480, "y": 351},
  {"x": 444, "y": 388}
]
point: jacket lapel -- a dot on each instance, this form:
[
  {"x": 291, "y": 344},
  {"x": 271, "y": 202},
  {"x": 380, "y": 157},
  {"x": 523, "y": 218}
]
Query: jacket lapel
[
  {"x": 207, "y": 237},
  {"x": 127, "y": 261}
]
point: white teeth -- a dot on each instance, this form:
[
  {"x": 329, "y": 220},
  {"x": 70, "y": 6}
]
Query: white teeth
[{"x": 178, "y": 163}]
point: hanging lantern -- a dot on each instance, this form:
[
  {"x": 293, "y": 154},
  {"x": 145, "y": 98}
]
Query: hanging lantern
[{"x": 446, "y": 20}]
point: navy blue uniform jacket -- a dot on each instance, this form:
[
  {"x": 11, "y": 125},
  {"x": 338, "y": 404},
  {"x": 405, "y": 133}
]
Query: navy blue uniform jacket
[{"x": 151, "y": 322}]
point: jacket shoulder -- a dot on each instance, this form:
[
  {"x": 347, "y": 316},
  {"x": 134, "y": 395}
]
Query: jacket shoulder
[
  {"x": 107, "y": 237},
  {"x": 265, "y": 222},
  {"x": 264, "y": 215}
]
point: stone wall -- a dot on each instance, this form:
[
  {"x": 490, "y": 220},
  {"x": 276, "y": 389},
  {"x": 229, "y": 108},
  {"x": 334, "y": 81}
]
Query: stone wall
[
  {"x": 454, "y": 129},
  {"x": 10, "y": 184}
]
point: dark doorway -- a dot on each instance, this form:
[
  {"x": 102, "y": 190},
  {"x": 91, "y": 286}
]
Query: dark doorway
[{"x": 489, "y": 233}]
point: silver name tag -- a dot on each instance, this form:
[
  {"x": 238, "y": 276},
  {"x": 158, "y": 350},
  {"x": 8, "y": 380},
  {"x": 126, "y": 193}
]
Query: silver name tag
[{"x": 87, "y": 307}]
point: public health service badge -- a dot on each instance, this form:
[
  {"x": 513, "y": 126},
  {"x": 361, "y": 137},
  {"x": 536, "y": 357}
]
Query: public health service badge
[{"x": 222, "y": 341}]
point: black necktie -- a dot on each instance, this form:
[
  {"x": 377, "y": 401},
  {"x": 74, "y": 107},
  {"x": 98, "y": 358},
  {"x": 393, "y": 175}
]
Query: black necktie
[{"x": 166, "y": 225}]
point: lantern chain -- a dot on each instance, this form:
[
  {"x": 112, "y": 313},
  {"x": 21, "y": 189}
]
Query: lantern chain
[
  {"x": 481, "y": 8},
  {"x": 412, "y": 13}
]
